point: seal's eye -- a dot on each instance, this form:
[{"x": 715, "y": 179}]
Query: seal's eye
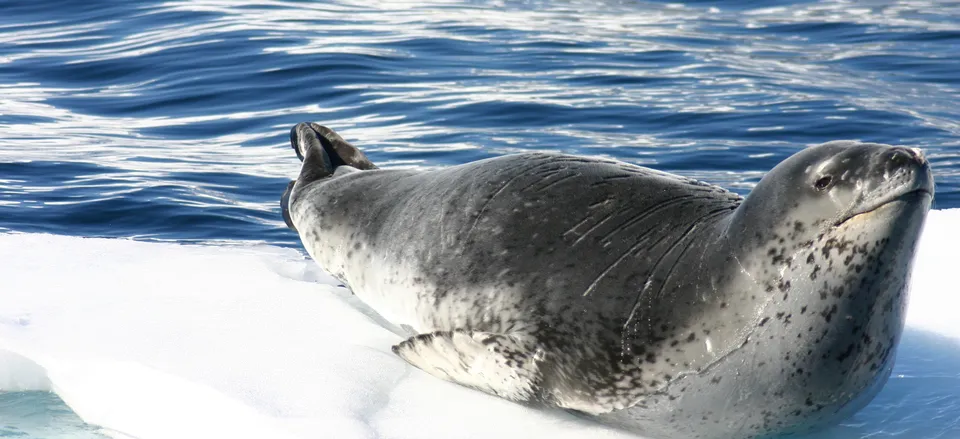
[{"x": 823, "y": 182}]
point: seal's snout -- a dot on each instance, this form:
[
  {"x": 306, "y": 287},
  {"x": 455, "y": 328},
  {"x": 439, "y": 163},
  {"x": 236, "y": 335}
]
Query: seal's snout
[
  {"x": 909, "y": 167},
  {"x": 898, "y": 157}
]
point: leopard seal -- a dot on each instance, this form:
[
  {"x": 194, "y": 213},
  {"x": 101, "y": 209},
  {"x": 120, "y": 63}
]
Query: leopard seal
[{"x": 646, "y": 301}]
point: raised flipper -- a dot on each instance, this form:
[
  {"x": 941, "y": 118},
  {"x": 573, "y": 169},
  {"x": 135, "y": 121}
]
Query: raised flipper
[
  {"x": 502, "y": 365},
  {"x": 317, "y": 162},
  {"x": 341, "y": 152},
  {"x": 322, "y": 151}
]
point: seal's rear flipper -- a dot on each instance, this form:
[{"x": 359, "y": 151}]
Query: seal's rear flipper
[
  {"x": 341, "y": 152},
  {"x": 285, "y": 205},
  {"x": 323, "y": 151},
  {"x": 317, "y": 163},
  {"x": 501, "y": 365}
]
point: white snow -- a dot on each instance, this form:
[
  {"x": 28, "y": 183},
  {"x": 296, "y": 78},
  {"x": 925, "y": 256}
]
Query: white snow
[{"x": 155, "y": 340}]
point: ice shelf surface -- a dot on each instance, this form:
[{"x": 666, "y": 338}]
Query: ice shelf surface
[{"x": 156, "y": 340}]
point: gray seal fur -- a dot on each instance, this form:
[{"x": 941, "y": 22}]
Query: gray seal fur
[{"x": 647, "y": 301}]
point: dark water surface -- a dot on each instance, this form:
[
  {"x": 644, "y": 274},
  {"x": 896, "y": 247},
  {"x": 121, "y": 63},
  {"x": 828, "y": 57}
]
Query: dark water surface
[{"x": 169, "y": 120}]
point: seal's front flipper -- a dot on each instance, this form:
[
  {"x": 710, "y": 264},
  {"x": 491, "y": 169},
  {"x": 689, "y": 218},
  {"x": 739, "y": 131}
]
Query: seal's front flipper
[{"x": 501, "y": 365}]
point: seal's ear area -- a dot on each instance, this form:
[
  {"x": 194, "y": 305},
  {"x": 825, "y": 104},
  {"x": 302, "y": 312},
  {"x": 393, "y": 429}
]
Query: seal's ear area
[{"x": 285, "y": 205}]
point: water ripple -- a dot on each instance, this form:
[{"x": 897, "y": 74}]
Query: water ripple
[{"x": 207, "y": 90}]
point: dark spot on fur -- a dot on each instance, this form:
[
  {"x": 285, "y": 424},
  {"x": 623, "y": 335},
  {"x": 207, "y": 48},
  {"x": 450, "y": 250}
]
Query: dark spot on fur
[{"x": 828, "y": 313}]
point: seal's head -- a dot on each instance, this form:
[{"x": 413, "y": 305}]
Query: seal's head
[
  {"x": 825, "y": 244},
  {"x": 828, "y": 185}
]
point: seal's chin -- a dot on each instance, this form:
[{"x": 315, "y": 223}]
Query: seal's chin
[{"x": 909, "y": 198}]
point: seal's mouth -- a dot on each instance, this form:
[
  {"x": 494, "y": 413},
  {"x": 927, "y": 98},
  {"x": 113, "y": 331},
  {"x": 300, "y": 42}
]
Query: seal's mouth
[{"x": 914, "y": 195}]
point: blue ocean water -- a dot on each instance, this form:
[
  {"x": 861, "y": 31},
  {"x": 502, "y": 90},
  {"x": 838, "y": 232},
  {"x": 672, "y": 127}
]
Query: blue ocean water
[{"x": 169, "y": 120}]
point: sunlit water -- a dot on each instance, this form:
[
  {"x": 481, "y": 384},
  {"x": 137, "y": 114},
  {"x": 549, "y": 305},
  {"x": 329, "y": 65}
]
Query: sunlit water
[{"x": 169, "y": 121}]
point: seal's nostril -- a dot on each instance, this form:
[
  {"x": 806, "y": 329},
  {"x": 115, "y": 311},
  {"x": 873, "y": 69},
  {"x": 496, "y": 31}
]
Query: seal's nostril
[{"x": 900, "y": 157}]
